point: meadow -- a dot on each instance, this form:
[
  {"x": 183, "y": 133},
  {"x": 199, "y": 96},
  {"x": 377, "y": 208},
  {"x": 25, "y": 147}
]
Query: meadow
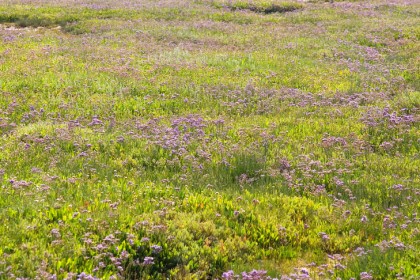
[{"x": 209, "y": 139}]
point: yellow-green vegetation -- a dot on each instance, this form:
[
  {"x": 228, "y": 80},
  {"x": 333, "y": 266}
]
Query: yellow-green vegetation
[{"x": 209, "y": 139}]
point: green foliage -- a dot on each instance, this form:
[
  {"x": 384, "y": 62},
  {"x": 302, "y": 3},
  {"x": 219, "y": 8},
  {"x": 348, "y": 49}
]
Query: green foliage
[{"x": 265, "y": 7}]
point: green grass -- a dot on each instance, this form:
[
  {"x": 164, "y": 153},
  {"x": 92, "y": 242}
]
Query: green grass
[{"x": 236, "y": 135}]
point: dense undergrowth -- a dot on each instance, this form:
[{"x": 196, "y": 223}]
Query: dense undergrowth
[{"x": 209, "y": 139}]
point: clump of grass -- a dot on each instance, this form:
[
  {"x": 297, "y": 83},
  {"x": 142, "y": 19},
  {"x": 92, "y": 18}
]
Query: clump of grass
[
  {"x": 23, "y": 18},
  {"x": 265, "y": 7}
]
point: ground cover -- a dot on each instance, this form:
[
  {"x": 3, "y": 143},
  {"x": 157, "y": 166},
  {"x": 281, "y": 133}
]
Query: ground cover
[{"x": 209, "y": 139}]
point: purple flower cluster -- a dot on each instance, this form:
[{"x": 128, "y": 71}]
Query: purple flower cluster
[
  {"x": 252, "y": 275},
  {"x": 376, "y": 116},
  {"x": 148, "y": 261},
  {"x": 365, "y": 276},
  {"x": 156, "y": 249},
  {"x": 178, "y": 136},
  {"x": 85, "y": 276}
]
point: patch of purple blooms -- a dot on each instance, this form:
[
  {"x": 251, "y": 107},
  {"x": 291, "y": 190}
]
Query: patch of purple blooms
[
  {"x": 148, "y": 261},
  {"x": 156, "y": 249},
  {"x": 252, "y": 275},
  {"x": 376, "y": 116}
]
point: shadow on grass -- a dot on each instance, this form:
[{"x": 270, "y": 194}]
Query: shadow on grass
[{"x": 35, "y": 21}]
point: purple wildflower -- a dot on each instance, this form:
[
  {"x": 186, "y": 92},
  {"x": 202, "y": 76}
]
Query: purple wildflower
[
  {"x": 84, "y": 276},
  {"x": 228, "y": 275},
  {"x": 324, "y": 236},
  {"x": 254, "y": 275},
  {"x": 55, "y": 233},
  {"x": 304, "y": 270},
  {"x": 365, "y": 276},
  {"x": 148, "y": 261},
  {"x": 156, "y": 249},
  {"x": 95, "y": 121}
]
